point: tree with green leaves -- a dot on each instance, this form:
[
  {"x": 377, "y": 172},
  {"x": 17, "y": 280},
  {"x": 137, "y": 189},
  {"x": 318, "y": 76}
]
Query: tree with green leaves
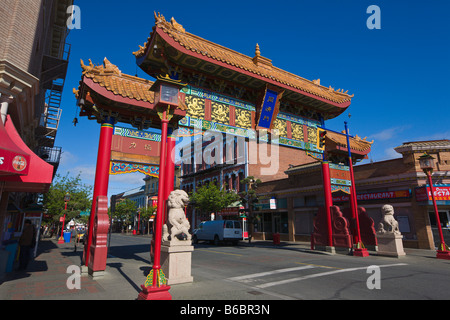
[
  {"x": 125, "y": 210},
  {"x": 80, "y": 194},
  {"x": 210, "y": 198},
  {"x": 250, "y": 198},
  {"x": 146, "y": 214}
]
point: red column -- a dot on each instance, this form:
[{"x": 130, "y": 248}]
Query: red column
[
  {"x": 170, "y": 168},
  {"x": 153, "y": 291},
  {"x": 101, "y": 176},
  {"x": 161, "y": 191},
  {"x": 359, "y": 251},
  {"x": 328, "y": 199},
  {"x": 61, "y": 238},
  {"x": 354, "y": 207}
]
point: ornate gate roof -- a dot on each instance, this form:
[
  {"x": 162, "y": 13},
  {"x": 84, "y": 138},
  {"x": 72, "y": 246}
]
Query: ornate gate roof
[
  {"x": 105, "y": 91},
  {"x": 171, "y": 49}
]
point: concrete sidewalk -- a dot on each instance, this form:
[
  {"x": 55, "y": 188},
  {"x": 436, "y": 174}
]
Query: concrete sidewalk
[{"x": 47, "y": 275}]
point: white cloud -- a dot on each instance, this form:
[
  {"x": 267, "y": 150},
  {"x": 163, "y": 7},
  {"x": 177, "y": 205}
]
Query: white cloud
[
  {"x": 67, "y": 158},
  {"x": 435, "y": 136},
  {"x": 391, "y": 153},
  {"x": 388, "y": 134},
  {"x": 135, "y": 178},
  {"x": 119, "y": 182}
]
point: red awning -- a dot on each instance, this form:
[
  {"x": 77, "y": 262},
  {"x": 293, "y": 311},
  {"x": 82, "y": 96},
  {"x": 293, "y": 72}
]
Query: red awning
[
  {"x": 40, "y": 173},
  {"x": 13, "y": 159}
]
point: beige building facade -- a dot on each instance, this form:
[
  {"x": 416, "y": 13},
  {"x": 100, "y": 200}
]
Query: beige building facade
[{"x": 399, "y": 182}]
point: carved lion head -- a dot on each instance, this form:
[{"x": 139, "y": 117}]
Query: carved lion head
[
  {"x": 178, "y": 199},
  {"x": 387, "y": 209}
]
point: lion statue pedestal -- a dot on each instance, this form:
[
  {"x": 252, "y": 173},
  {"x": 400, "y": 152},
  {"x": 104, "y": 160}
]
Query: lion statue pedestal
[
  {"x": 388, "y": 235},
  {"x": 176, "y": 249}
]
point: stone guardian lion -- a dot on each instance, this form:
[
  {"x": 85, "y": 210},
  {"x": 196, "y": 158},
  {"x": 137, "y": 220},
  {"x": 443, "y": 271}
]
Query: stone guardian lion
[
  {"x": 388, "y": 223},
  {"x": 177, "y": 226}
]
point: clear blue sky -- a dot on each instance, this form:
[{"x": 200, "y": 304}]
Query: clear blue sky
[{"x": 399, "y": 73}]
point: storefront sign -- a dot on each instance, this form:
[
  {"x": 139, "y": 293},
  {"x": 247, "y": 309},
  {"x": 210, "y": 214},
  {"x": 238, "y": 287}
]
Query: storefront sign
[
  {"x": 441, "y": 193},
  {"x": 273, "y": 203},
  {"x": 376, "y": 196},
  {"x": 13, "y": 163},
  {"x": 19, "y": 163},
  {"x": 231, "y": 211}
]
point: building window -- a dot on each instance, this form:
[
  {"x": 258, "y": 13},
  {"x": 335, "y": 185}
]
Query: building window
[
  {"x": 310, "y": 201},
  {"x": 267, "y": 222},
  {"x": 304, "y": 222},
  {"x": 299, "y": 202},
  {"x": 444, "y": 217}
]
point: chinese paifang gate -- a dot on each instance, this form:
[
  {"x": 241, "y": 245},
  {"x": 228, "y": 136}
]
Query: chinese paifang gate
[{"x": 201, "y": 85}]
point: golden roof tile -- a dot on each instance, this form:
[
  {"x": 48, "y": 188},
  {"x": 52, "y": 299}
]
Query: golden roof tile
[
  {"x": 241, "y": 61},
  {"x": 112, "y": 79},
  {"x": 356, "y": 143}
]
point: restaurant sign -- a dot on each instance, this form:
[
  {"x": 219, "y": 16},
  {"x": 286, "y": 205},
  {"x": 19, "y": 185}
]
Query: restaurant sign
[
  {"x": 230, "y": 211},
  {"x": 441, "y": 193},
  {"x": 376, "y": 196}
]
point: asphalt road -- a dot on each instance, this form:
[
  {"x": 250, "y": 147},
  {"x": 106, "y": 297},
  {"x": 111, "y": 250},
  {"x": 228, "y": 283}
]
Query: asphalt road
[{"x": 243, "y": 272}]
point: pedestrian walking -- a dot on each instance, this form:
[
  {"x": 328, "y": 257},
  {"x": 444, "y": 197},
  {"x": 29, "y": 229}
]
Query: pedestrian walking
[
  {"x": 27, "y": 242},
  {"x": 75, "y": 238}
]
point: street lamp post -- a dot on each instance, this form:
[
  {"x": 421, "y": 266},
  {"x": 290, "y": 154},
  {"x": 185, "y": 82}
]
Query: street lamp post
[
  {"x": 66, "y": 199},
  {"x": 427, "y": 164}
]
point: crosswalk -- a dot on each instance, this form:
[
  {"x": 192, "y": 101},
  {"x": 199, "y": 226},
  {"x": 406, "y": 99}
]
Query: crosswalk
[{"x": 263, "y": 280}]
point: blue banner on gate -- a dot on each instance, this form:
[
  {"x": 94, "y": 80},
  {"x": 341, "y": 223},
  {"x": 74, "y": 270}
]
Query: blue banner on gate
[{"x": 268, "y": 108}]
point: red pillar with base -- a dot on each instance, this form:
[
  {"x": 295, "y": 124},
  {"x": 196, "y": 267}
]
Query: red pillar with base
[
  {"x": 170, "y": 168},
  {"x": 155, "y": 287},
  {"x": 101, "y": 180},
  {"x": 61, "y": 238},
  {"x": 359, "y": 249},
  {"x": 328, "y": 199},
  {"x": 99, "y": 249},
  {"x": 442, "y": 252}
]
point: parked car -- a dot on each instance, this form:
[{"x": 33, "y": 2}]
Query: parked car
[{"x": 218, "y": 231}]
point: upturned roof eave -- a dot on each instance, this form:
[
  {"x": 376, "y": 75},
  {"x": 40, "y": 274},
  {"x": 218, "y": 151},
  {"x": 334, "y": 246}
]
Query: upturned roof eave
[{"x": 141, "y": 56}]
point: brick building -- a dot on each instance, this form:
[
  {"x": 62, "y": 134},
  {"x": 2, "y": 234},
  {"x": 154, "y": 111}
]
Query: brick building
[
  {"x": 33, "y": 64},
  {"x": 399, "y": 182}
]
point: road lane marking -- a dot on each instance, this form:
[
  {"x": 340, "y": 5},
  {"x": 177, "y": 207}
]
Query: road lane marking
[
  {"x": 318, "y": 265},
  {"x": 280, "y": 282},
  {"x": 231, "y": 254},
  {"x": 268, "y": 273}
]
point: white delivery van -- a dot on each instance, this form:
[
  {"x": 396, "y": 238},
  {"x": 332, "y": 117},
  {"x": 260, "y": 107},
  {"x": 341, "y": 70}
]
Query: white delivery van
[{"x": 217, "y": 231}]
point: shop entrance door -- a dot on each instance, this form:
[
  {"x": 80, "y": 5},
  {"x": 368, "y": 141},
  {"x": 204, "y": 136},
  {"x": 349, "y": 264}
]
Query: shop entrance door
[
  {"x": 276, "y": 223},
  {"x": 36, "y": 220}
]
